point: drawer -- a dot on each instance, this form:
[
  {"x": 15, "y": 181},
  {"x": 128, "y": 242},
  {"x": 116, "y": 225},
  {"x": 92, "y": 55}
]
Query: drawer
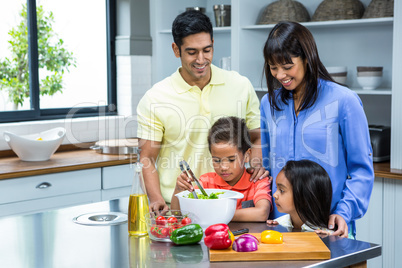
[
  {"x": 49, "y": 203},
  {"x": 117, "y": 176},
  {"x": 43, "y": 186}
]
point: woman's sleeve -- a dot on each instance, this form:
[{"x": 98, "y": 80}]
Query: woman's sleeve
[
  {"x": 264, "y": 132},
  {"x": 359, "y": 160}
]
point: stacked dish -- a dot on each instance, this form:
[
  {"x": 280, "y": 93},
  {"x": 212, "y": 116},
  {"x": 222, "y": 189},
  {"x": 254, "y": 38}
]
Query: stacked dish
[
  {"x": 338, "y": 73},
  {"x": 369, "y": 77}
]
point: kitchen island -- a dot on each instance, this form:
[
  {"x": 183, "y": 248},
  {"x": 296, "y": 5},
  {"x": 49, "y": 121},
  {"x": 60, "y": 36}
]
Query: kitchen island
[{"x": 52, "y": 239}]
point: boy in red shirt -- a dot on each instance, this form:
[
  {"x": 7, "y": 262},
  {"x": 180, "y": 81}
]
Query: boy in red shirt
[{"x": 229, "y": 144}]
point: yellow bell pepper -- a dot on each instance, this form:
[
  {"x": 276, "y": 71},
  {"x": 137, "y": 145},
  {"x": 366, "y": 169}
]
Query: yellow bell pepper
[
  {"x": 231, "y": 236},
  {"x": 271, "y": 237}
]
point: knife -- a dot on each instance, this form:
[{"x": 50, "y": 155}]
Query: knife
[
  {"x": 241, "y": 231},
  {"x": 195, "y": 178},
  {"x": 183, "y": 170}
]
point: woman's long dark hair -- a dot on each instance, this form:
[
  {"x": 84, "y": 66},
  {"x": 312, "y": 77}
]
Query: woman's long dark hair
[
  {"x": 312, "y": 191},
  {"x": 286, "y": 40}
]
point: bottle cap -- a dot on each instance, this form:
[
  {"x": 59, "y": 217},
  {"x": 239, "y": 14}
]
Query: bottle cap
[{"x": 138, "y": 167}]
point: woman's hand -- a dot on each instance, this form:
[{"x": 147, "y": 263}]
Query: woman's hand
[
  {"x": 258, "y": 173},
  {"x": 339, "y": 221},
  {"x": 183, "y": 183}
]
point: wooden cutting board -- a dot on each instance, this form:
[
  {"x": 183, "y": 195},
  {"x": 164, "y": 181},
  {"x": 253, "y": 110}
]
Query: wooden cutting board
[{"x": 296, "y": 246}]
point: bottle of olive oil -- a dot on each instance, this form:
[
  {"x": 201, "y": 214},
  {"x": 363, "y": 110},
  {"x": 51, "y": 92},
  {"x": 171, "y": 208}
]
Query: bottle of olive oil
[{"x": 138, "y": 204}]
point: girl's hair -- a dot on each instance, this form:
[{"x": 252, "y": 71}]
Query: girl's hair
[
  {"x": 232, "y": 130},
  {"x": 312, "y": 191},
  {"x": 286, "y": 40}
]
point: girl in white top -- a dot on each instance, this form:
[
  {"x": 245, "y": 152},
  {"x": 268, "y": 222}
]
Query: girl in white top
[{"x": 304, "y": 192}]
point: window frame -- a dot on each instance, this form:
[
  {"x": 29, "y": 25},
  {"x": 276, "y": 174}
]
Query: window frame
[{"x": 35, "y": 113}]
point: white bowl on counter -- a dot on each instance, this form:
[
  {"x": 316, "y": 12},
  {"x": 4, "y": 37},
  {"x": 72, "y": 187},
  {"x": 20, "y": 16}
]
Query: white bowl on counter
[
  {"x": 36, "y": 147},
  {"x": 211, "y": 211}
]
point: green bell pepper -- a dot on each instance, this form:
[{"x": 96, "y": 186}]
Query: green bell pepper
[{"x": 189, "y": 234}]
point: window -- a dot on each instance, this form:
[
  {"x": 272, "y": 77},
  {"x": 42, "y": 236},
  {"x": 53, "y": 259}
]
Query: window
[{"x": 56, "y": 59}]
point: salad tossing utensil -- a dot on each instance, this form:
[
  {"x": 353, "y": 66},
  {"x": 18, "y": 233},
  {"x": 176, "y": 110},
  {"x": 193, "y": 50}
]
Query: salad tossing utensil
[
  {"x": 194, "y": 177},
  {"x": 183, "y": 170}
]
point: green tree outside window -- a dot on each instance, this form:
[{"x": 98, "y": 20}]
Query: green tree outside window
[{"x": 53, "y": 59}]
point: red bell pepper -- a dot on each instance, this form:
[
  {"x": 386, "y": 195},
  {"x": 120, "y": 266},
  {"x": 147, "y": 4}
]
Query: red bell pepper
[{"x": 218, "y": 236}]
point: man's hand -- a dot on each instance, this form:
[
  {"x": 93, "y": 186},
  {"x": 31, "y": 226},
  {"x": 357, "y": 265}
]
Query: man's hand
[
  {"x": 339, "y": 221},
  {"x": 158, "y": 206}
]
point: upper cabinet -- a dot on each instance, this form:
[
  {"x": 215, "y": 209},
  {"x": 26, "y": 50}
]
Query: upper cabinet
[{"x": 350, "y": 43}]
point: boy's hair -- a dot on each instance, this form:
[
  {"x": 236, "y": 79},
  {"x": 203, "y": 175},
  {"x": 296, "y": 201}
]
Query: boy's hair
[
  {"x": 231, "y": 130},
  {"x": 312, "y": 191},
  {"x": 188, "y": 23}
]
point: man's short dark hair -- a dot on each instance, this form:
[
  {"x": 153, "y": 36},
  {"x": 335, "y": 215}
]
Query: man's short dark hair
[{"x": 188, "y": 23}]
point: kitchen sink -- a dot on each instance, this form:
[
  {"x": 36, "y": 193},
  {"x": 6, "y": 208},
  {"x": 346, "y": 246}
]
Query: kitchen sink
[{"x": 101, "y": 218}]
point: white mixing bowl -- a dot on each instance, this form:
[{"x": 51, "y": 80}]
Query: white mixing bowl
[{"x": 211, "y": 211}]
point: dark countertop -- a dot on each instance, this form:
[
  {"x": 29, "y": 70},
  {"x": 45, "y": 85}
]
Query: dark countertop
[{"x": 52, "y": 239}]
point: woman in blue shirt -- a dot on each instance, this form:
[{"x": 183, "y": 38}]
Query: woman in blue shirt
[{"x": 306, "y": 115}]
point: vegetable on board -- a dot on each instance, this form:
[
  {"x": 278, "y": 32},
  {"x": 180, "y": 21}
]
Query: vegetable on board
[
  {"x": 218, "y": 236},
  {"x": 245, "y": 243},
  {"x": 271, "y": 237},
  {"x": 251, "y": 236}
]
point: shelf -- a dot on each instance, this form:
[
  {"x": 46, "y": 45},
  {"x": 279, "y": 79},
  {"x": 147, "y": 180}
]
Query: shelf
[
  {"x": 216, "y": 30},
  {"x": 379, "y": 91},
  {"x": 334, "y": 23}
]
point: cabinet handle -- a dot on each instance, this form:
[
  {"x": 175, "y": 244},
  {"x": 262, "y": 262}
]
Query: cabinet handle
[{"x": 43, "y": 185}]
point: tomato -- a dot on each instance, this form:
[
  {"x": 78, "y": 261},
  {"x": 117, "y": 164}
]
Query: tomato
[
  {"x": 166, "y": 232},
  {"x": 185, "y": 221},
  {"x": 172, "y": 220},
  {"x": 160, "y": 220},
  {"x": 177, "y": 226},
  {"x": 154, "y": 231}
]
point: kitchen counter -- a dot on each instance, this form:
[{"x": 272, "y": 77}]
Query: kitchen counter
[
  {"x": 384, "y": 170},
  {"x": 13, "y": 167},
  {"x": 52, "y": 239}
]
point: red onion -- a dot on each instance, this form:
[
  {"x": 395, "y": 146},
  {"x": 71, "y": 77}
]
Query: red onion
[
  {"x": 250, "y": 236},
  {"x": 245, "y": 244}
]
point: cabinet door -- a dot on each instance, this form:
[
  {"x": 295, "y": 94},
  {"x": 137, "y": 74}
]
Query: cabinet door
[
  {"x": 116, "y": 181},
  {"x": 369, "y": 228},
  {"x": 117, "y": 176},
  {"x": 49, "y": 185}
]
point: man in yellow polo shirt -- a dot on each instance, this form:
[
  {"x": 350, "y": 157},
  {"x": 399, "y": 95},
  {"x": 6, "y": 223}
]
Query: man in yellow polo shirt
[{"x": 174, "y": 116}]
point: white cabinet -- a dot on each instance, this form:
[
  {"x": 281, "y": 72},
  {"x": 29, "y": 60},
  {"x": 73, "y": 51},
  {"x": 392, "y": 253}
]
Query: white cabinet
[
  {"x": 42, "y": 192},
  {"x": 348, "y": 43},
  {"x": 380, "y": 225},
  {"x": 116, "y": 181}
]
